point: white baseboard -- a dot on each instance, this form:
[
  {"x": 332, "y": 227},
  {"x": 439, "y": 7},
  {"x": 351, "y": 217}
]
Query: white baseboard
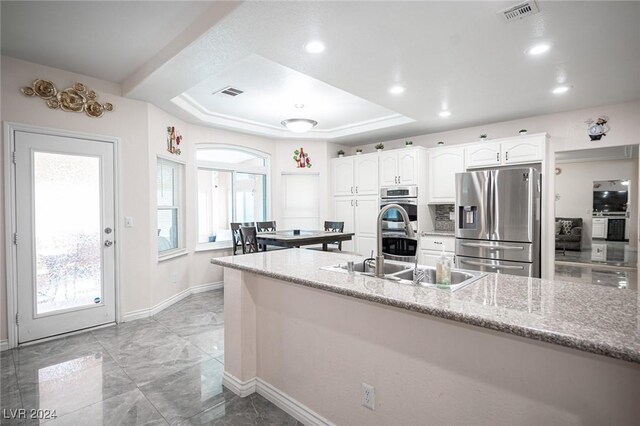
[
  {"x": 4, "y": 345},
  {"x": 145, "y": 313},
  {"x": 237, "y": 386},
  {"x": 289, "y": 405}
]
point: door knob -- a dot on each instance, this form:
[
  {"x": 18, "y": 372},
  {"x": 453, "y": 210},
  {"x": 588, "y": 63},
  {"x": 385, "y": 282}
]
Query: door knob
[
  {"x": 108, "y": 243},
  {"x": 107, "y": 230}
]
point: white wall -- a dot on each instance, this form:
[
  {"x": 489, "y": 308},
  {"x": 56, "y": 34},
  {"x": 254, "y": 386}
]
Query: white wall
[
  {"x": 567, "y": 130},
  {"x": 574, "y": 189},
  {"x": 128, "y": 121}
]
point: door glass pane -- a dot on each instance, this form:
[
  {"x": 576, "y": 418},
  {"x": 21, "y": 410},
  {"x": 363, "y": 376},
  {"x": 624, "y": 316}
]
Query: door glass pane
[
  {"x": 68, "y": 241},
  {"x": 214, "y": 205},
  {"x": 250, "y": 197}
]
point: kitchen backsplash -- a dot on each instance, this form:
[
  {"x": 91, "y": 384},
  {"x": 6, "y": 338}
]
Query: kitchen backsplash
[{"x": 443, "y": 220}]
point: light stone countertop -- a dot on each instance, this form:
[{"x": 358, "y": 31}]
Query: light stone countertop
[{"x": 587, "y": 317}]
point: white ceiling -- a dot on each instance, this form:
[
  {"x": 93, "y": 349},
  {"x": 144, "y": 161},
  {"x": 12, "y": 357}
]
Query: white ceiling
[
  {"x": 447, "y": 54},
  {"x": 105, "y": 39},
  {"x": 273, "y": 93}
]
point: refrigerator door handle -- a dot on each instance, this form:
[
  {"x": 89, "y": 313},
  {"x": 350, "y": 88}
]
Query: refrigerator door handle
[
  {"x": 491, "y": 247},
  {"x": 489, "y": 265}
]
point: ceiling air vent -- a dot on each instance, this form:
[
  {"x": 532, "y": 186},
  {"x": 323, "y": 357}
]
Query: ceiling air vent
[
  {"x": 519, "y": 11},
  {"x": 229, "y": 91}
]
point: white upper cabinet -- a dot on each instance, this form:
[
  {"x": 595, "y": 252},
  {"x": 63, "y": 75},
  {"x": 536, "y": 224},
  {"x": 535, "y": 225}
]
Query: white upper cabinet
[
  {"x": 485, "y": 154},
  {"x": 366, "y": 174},
  {"x": 388, "y": 168},
  {"x": 343, "y": 182},
  {"x": 517, "y": 150},
  {"x": 523, "y": 150},
  {"x": 399, "y": 167},
  {"x": 355, "y": 175},
  {"x": 408, "y": 167},
  {"x": 444, "y": 163}
]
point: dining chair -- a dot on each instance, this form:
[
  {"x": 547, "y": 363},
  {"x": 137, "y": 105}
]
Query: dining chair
[
  {"x": 249, "y": 238},
  {"x": 235, "y": 234},
  {"x": 266, "y": 226},
  {"x": 334, "y": 227}
]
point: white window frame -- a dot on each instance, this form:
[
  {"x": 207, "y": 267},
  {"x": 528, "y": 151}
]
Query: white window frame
[
  {"x": 180, "y": 207},
  {"x": 228, "y": 167}
]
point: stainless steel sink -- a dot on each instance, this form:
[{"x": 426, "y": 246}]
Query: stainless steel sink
[
  {"x": 369, "y": 267},
  {"x": 403, "y": 273},
  {"x": 457, "y": 276}
]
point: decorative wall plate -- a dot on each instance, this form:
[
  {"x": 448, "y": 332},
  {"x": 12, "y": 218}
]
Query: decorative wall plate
[{"x": 72, "y": 99}]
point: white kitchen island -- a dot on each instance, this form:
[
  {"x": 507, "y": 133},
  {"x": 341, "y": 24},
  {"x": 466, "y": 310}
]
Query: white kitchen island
[{"x": 504, "y": 350}]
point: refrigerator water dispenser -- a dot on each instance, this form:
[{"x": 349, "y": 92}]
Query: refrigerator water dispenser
[{"x": 467, "y": 217}]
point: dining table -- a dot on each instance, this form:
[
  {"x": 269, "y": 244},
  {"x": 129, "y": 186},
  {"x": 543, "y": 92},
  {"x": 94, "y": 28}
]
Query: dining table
[{"x": 299, "y": 238}]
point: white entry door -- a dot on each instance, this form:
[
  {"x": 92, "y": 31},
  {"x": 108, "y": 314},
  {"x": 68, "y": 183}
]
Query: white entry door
[{"x": 65, "y": 234}]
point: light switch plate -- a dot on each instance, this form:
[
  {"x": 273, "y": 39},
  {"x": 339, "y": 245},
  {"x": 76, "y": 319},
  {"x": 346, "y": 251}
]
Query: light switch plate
[
  {"x": 452, "y": 215},
  {"x": 128, "y": 222}
]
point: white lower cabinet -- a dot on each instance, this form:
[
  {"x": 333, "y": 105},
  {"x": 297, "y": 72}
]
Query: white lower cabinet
[
  {"x": 599, "y": 228},
  {"x": 359, "y": 215},
  {"x": 431, "y": 248}
]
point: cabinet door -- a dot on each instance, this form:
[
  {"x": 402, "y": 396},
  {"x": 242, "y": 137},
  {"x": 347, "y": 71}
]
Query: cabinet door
[
  {"x": 344, "y": 208},
  {"x": 366, "y": 215},
  {"x": 525, "y": 150},
  {"x": 483, "y": 155},
  {"x": 365, "y": 245},
  {"x": 366, "y": 174},
  {"x": 388, "y": 175},
  {"x": 428, "y": 258},
  {"x": 343, "y": 176},
  {"x": 442, "y": 169},
  {"x": 599, "y": 228},
  {"x": 408, "y": 166}
]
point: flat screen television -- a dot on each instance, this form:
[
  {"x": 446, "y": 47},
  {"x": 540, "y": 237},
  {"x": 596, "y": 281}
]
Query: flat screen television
[{"x": 610, "y": 201}]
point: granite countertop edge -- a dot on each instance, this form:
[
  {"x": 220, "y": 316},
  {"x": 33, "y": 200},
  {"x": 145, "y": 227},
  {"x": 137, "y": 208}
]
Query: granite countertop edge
[{"x": 517, "y": 330}]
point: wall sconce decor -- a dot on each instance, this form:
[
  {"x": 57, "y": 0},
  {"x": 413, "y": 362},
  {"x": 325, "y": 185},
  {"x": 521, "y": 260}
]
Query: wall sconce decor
[
  {"x": 72, "y": 99},
  {"x": 174, "y": 139}
]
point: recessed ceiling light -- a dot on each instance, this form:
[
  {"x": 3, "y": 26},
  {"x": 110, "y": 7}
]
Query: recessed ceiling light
[
  {"x": 314, "y": 47},
  {"x": 299, "y": 125},
  {"x": 561, "y": 89},
  {"x": 396, "y": 90},
  {"x": 444, "y": 114},
  {"x": 299, "y": 106},
  {"x": 538, "y": 49}
]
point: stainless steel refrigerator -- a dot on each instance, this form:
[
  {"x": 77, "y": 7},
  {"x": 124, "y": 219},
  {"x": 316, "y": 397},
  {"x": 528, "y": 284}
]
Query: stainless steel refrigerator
[{"x": 498, "y": 221}]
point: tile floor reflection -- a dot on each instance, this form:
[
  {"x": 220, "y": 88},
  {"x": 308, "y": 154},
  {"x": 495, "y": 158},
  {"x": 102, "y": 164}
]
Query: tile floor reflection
[{"x": 155, "y": 371}]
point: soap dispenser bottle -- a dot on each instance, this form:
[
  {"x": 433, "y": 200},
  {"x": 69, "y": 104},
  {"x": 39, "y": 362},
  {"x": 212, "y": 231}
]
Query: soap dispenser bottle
[{"x": 443, "y": 271}]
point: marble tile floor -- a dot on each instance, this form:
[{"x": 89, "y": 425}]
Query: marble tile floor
[
  {"x": 156, "y": 371},
  {"x": 616, "y": 253}
]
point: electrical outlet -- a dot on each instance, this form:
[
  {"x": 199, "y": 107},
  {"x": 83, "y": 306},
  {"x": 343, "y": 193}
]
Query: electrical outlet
[
  {"x": 174, "y": 278},
  {"x": 368, "y": 396}
]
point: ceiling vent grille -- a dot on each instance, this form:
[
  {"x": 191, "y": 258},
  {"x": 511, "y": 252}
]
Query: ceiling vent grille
[
  {"x": 519, "y": 11},
  {"x": 229, "y": 91}
]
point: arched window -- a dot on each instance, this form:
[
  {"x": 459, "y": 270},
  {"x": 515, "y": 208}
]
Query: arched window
[{"x": 232, "y": 187}]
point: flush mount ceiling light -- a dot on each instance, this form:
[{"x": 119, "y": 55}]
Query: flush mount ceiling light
[
  {"x": 299, "y": 106},
  {"x": 299, "y": 125},
  {"x": 396, "y": 90},
  {"x": 314, "y": 47},
  {"x": 444, "y": 114},
  {"x": 561, "y": 89},
  {"x": 538, "y": 49}
]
